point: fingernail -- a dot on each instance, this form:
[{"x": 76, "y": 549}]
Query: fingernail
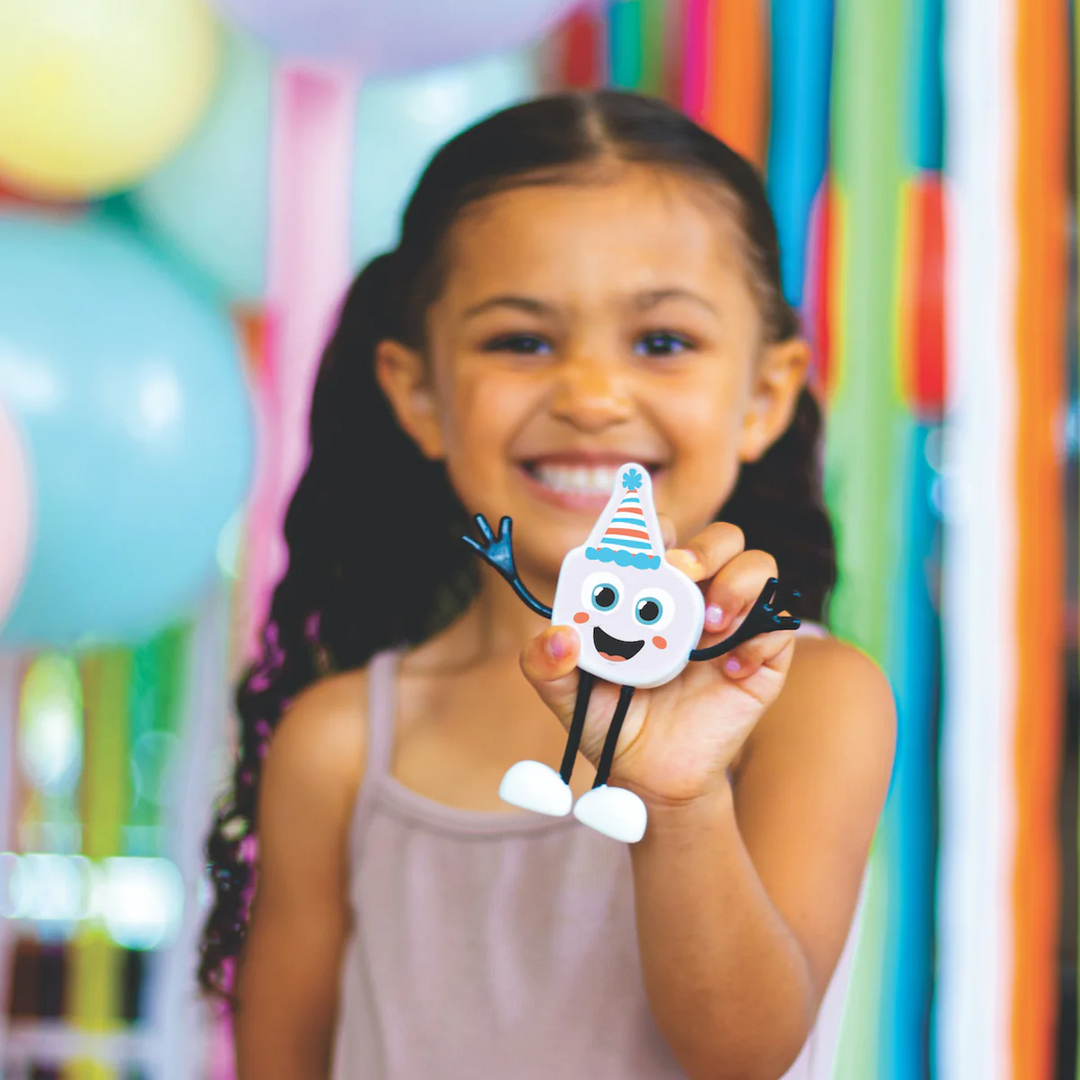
[
  {"x": 731, "y": 665},
  {"x": 559, "y": 645},
  {"x": 714, "y": 616},
  {"x": 687, "y": 558}
]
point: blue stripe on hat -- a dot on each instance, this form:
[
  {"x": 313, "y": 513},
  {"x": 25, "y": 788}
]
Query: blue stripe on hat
[{"x": 619, "y": 542}]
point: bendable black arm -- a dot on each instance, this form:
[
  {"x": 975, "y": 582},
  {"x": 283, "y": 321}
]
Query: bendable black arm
[
  {"x": 499, "y": 552},
  {"x": 764, "y": 617}
]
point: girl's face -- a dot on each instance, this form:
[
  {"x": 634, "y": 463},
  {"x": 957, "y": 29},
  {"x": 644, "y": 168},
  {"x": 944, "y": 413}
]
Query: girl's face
[{"x": 583, "y": 325}]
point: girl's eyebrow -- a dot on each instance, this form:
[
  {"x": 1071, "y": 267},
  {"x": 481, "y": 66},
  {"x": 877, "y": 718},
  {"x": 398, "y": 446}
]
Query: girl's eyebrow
[
  {"x": 528, "y": 304},
  {"x": 646, "y": 300}
]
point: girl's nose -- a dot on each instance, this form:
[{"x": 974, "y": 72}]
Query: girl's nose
[{"x": 591, "y": 395}]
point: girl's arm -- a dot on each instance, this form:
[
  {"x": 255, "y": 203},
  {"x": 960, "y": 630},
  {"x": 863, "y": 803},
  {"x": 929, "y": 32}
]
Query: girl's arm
[
  {"x": 744, "y": 899},
  {"x": 288, "y": 984}
]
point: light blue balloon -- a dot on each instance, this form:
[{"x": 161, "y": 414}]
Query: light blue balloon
[
  {"x": 128, "y": 385},
  {"x": 210, "y": 201},
  {"x": 403, "y": 121}
]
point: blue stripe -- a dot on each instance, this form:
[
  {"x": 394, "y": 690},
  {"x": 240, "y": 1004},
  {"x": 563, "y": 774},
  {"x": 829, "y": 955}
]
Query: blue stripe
[
  {"x": 639, "y": 522},
  {"x": 630, "y": 499},
  {"x": 628, "y": 543}
]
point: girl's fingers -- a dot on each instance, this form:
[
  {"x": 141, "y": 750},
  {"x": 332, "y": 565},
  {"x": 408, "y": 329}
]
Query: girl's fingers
[
  {"x": 732, "y": 592},
  {"x": 711, "y": 549},
  {"x": 549, "y": 662},
  {"x": 773, "y": 650}
]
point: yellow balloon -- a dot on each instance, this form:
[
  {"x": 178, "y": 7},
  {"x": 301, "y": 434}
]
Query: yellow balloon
[{"x": 96, "y": 93}]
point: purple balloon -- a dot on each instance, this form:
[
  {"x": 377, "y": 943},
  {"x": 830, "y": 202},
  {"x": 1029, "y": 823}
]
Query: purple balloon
[{"x": 387, "y": 36}]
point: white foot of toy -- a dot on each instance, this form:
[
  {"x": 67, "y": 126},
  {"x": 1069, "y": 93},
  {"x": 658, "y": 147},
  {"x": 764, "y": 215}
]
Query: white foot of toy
[
  {"x": 535, "y": 786},
  {"x": 613, "y": 811}
]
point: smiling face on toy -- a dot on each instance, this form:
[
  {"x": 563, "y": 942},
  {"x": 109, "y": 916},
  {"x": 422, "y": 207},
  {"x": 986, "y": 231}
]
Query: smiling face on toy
[{"x": 637, "y": 616}]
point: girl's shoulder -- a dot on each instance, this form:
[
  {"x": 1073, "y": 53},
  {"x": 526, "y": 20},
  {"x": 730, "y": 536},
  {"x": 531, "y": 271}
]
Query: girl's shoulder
[
  {"x": 318, "y": 748},
  {"x": 836, "y": 701}
]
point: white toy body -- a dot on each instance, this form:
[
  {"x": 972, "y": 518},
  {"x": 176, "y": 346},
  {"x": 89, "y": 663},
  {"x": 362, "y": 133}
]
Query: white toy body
[{"x": 636, "y": 615}]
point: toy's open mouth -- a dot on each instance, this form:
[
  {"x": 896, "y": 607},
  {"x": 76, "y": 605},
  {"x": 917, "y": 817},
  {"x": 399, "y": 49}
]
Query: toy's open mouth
[{"x": 612, "y": 648}]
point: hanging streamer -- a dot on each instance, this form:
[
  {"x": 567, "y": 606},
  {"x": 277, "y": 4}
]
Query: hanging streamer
[
  {"x": 311, "y": 171},
  {"x": 1041, "y": 65},
  {"x": 975, "y": 954},
  {"x": 799, "y": 134},
  {"x": 818, "y": 297},
  {"x": 636, "y": 38},
  {"x": 697, "y": 36},
  {"x": 580, "y": 51},
  {"x": 737, "y": 109},
  {"x": 868, "y": 435},
  {"x": 95, "y": 989}
]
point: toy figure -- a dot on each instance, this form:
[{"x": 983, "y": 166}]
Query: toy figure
[{"x": 638, "y": 619}]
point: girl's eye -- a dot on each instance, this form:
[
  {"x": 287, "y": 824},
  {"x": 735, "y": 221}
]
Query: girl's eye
[
  {"x": 521, "y": 344},
  {"x": 605, "y": 596},
  {"x": 649, "y": 610},
  {"x": 662, "y": 343}
]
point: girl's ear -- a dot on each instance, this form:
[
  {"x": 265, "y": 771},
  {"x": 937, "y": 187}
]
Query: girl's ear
[
  {"x": 776, "y": 383},
  {"x": 403, "y": 375}
]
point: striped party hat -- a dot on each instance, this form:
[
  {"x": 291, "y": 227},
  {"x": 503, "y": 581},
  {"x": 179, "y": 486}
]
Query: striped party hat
[{"x": 627, "y": 532}]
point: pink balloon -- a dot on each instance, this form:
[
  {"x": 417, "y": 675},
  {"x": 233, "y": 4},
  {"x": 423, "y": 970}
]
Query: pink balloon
[
  {"x": 15, "y": 514},
  {"x": 388, "y": 36}
]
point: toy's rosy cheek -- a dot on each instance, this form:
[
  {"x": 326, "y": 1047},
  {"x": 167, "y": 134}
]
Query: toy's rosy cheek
[
  {"x": 659, "y": 642},
  {"x": 581, "y": 616}
]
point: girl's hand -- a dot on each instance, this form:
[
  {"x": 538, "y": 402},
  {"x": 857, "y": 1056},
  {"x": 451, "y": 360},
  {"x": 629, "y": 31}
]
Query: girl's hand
[{"x": 678, "y": 739}]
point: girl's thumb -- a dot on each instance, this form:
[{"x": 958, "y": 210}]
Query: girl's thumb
[{"x": 549, "y": 662}]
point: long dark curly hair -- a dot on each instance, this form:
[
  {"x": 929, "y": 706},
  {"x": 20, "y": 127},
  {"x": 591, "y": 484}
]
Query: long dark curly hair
[{"x": 328, "y": 612}]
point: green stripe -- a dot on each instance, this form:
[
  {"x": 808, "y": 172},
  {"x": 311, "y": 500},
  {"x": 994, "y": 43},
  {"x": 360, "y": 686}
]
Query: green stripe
[{"x": 868, "y": 425}]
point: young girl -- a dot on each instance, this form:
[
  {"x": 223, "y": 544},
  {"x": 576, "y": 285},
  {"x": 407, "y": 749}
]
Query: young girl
[{"x": 582, "y": 281}]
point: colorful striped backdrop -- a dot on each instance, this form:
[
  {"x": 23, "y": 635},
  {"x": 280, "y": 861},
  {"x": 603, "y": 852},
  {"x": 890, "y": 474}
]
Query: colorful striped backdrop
[{"x": 916, "y": 156}]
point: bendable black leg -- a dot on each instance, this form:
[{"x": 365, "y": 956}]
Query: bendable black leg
[
  {"x": 577, "y": 725},
  {"x": 608, "y": 753}
]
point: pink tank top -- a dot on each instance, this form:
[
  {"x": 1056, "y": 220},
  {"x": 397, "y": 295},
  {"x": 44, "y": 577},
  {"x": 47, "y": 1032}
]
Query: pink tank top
[{"x": 490, "y": 945}]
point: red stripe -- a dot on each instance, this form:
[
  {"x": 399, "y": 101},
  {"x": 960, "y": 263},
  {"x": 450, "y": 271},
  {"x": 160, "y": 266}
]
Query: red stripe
[
  {"x": 628, "y": 532},
  {"x": 631, "y": 510}
]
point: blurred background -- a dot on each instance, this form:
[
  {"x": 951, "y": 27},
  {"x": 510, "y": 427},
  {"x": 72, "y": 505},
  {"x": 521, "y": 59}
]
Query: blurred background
[{"x": 185, "y": 189}]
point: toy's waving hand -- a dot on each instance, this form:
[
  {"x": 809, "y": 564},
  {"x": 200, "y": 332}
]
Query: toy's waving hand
[{"x": 499, "y": 552}]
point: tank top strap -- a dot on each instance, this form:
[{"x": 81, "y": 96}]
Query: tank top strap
[{"x": 381, "y": 707}]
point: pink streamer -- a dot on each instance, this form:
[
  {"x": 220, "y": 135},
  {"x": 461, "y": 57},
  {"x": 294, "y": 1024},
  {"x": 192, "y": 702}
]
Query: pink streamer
[
  {"x": 310, "y": 260},
  {"x": 696, "y": 35}
]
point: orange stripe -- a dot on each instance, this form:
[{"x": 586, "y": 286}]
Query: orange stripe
[
  {"x": 631, "y": 510},
  {"x": 628, "y": 532},
  {"x": 1042, "y": 118},
  {"x": 736, "y": 100}
]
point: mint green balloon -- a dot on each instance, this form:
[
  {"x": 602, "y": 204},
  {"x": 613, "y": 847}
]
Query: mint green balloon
[
  {"x": 210, "y": 202},
  {"x": 403, "y": 121}
]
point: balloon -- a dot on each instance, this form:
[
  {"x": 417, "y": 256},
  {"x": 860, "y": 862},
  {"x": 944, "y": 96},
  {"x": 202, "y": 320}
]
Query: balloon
[
  {"x": 129, "y": 387},
  {"x": 94, "y": 93},
  {"x": 217, "y": 185},
  {"x": 387, "y": 36},
  {"x": 15, "y": 513},
  {"x": 210, "y": 200},
  {"x": 402, "y": 122}
]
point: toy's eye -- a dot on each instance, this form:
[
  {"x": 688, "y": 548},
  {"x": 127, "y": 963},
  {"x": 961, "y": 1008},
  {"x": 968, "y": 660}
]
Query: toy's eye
[
  {"x": 649, "y": 610},
  {"x": 605, "y": 596},
  {"x": 654, "y": 608},
  {"x": 602, "y": 591}
]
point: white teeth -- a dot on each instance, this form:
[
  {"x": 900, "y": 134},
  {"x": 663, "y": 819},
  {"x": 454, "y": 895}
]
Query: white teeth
[{"x": 576, "y": 480}]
